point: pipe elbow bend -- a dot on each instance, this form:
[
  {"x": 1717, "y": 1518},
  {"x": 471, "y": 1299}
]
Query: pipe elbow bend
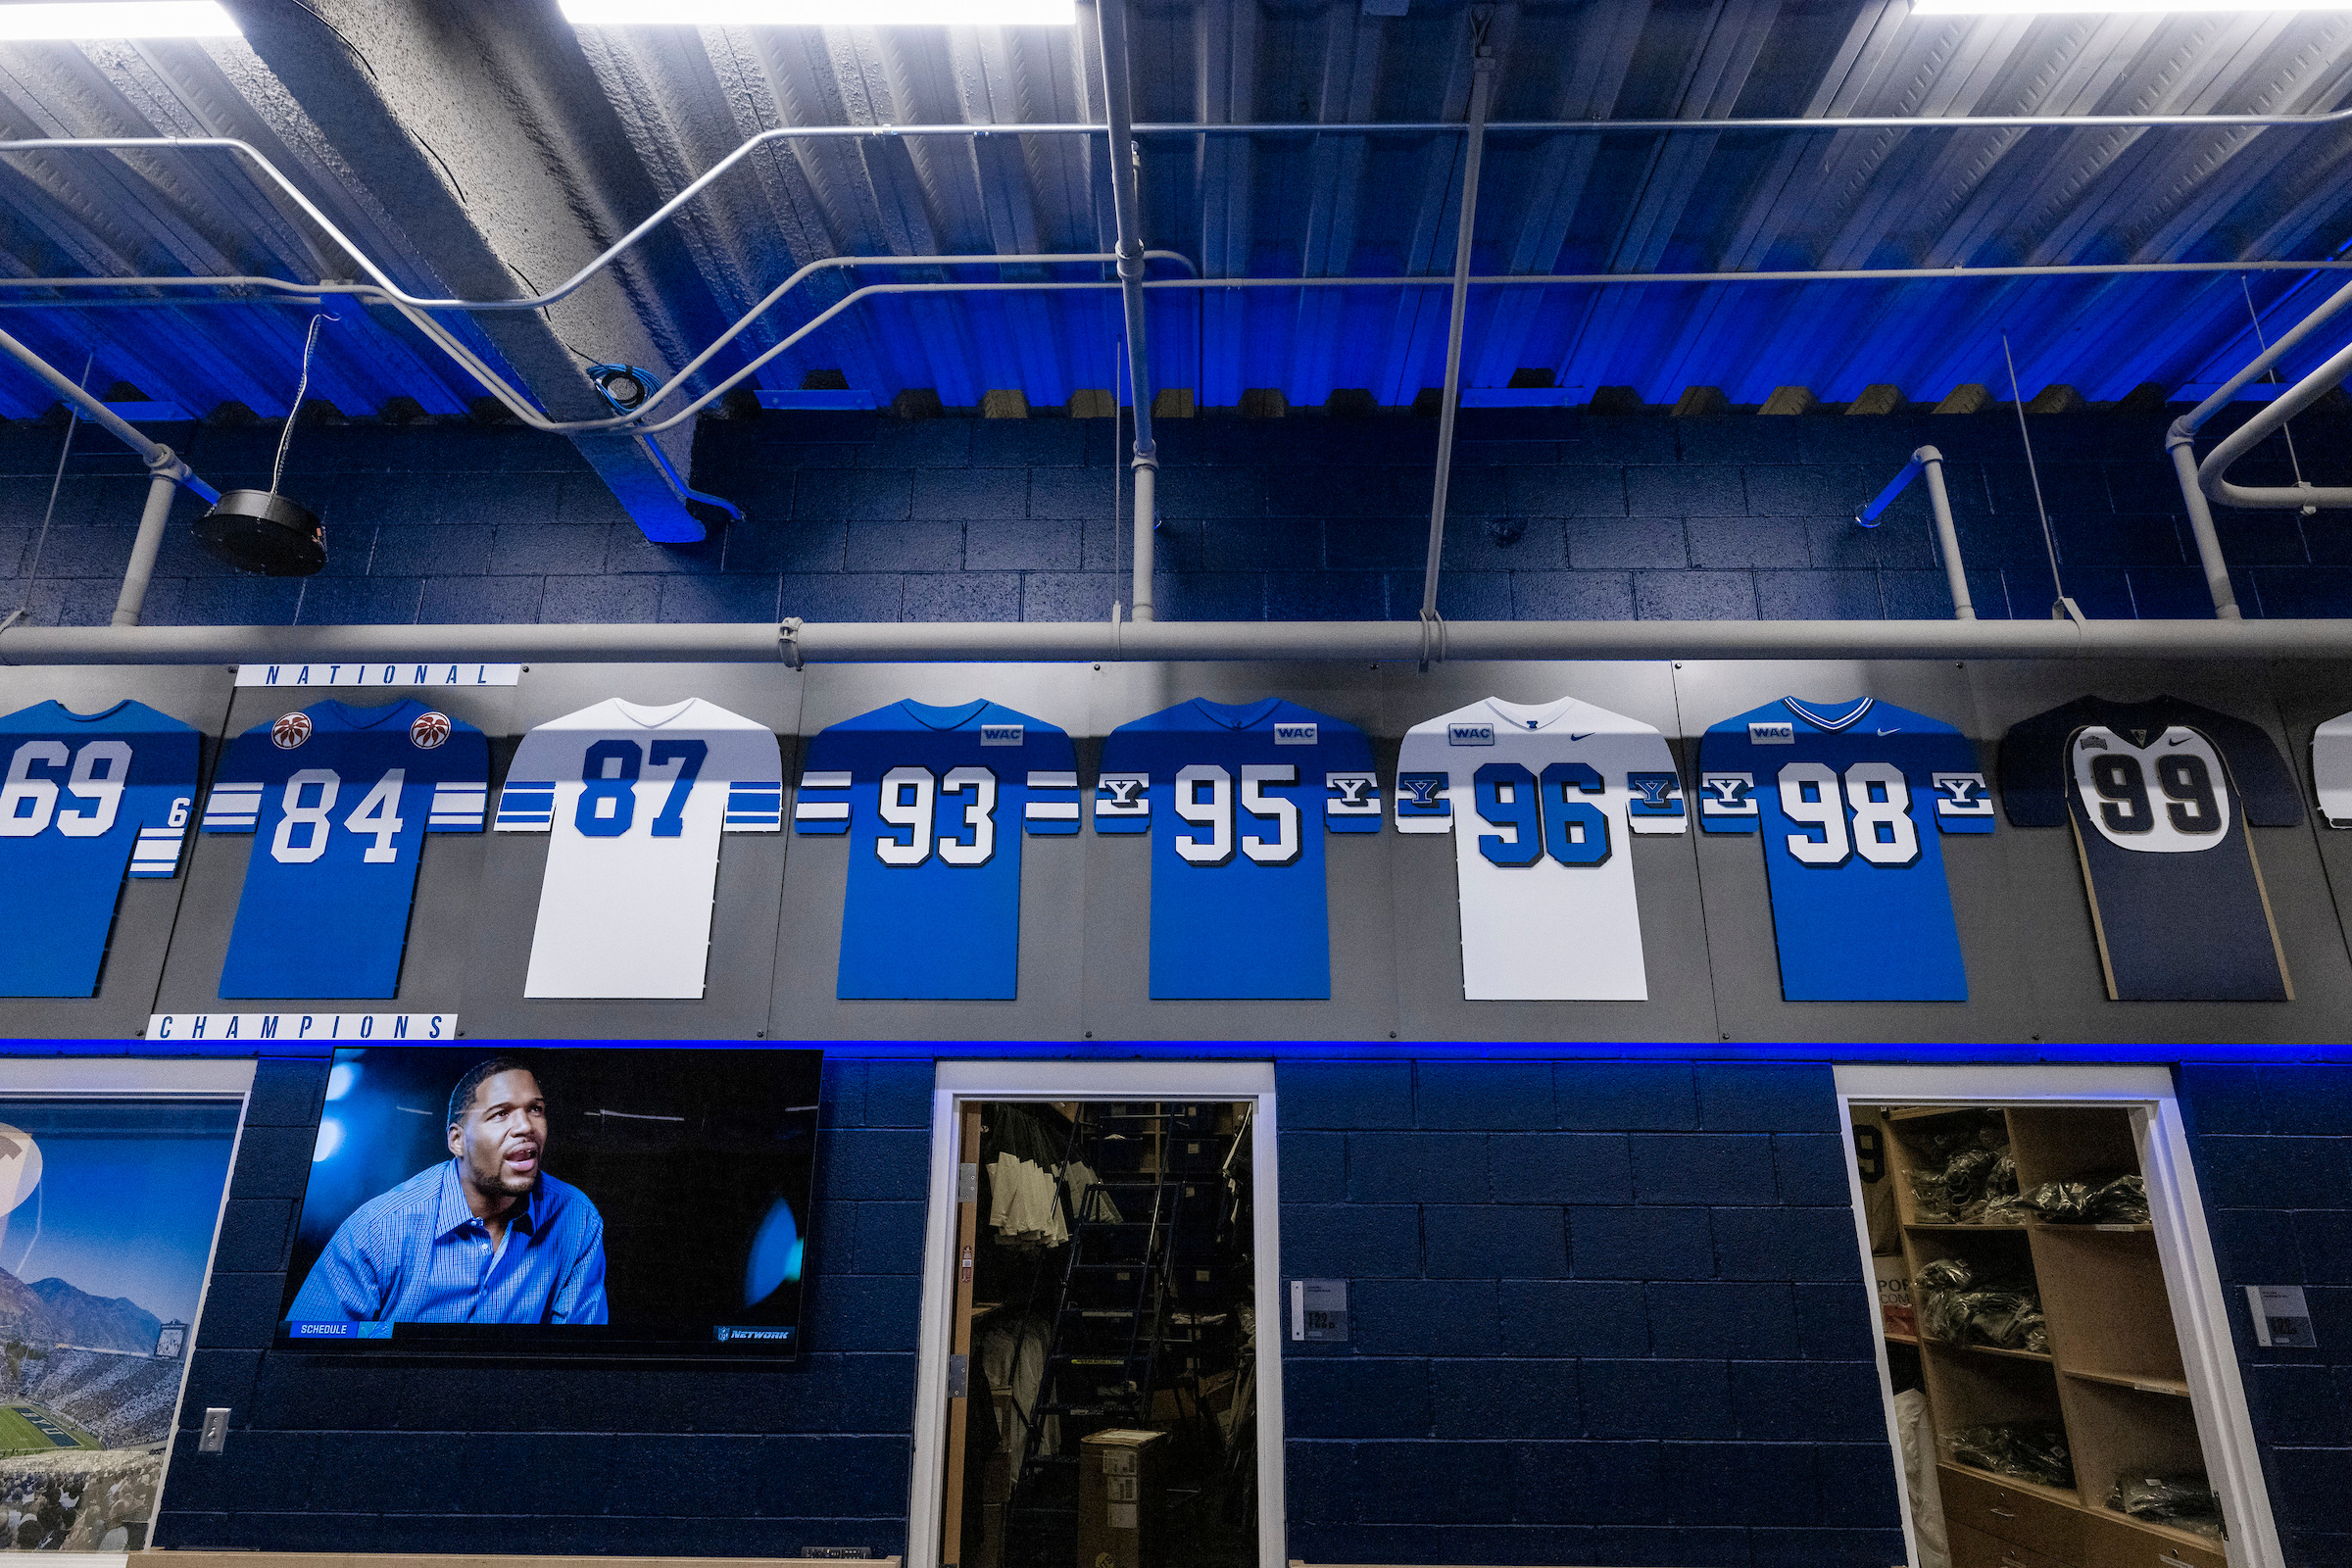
[
  {"x": 2182, "y": 434},
  {"x": 1926, "y": 454}
]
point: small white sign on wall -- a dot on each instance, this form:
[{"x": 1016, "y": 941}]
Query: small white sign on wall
[
  {"x": 379, "y": 672},
  {"x": 210, "y": 1028},
  {"x": 2281, "y": 1318}
]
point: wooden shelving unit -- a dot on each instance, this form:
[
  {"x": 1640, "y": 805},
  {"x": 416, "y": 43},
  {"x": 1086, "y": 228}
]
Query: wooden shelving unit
[{"x": 2113, "y": 1378}]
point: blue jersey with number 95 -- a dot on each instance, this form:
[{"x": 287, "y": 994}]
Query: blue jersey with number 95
[{"x": 1237, "y": 800}]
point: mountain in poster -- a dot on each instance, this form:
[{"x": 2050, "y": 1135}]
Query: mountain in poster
[
  {"x": 98, "y": 1323},
  {"x": 50, "y": 1311}
]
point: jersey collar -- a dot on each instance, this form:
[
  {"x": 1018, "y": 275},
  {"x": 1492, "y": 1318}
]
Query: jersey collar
[
  {"x": 930, "y": 718},
  {"x": 71, "y": 718},
  {"x": 1822, "y": 716},
  {"x": 366, "y": 717},
  {"x": 651, "y": 717},
  {"x": 1539, "y": 717},
  {"x": 1237, "y": 715}
]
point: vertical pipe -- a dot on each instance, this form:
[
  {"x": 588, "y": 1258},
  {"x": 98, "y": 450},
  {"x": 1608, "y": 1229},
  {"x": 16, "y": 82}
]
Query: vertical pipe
[
  {"x": 1946, "y": 536},
  {"x": 1474, "y": 147},
  {"x": 2200, "y": 524},
  {"x": 162, "y": 487},
  {"x": 1126, "y": 211}
]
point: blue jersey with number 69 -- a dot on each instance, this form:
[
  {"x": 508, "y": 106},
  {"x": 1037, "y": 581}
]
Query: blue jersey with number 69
[
  {"x": 338, "y": 800},
  {"x": 935, "y": 802},
  {"x": 1842, "y": 794},
  {"x": 1236, "y": 800},
  {"x": 87, "y": 794}
]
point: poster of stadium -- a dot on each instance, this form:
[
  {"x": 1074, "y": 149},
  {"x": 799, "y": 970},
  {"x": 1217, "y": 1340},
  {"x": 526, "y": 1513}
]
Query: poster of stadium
[{"x": 111, "y": 1205}]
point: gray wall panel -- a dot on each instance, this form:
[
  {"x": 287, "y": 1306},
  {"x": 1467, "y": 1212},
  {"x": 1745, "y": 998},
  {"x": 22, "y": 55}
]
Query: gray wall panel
[
  {"x": 197, "y": 695},
  {"x": 442, "y": 929},
  {"x": 740, "y": 978}
]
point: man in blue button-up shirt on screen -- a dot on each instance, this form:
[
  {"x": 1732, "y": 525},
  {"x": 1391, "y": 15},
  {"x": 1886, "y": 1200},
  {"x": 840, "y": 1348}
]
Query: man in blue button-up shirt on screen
[{"x": 488, "y": 1237}]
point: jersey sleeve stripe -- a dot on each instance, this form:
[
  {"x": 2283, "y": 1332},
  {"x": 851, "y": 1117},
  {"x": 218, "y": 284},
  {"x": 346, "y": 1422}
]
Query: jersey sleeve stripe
[
  {"x": 824, "y": 781},
  {"x": 1052, "y": 781},
  {"x": 232, "y": 808},
  {"x": 821, "y": 811},
  {"x": 1052, "y": 811}
]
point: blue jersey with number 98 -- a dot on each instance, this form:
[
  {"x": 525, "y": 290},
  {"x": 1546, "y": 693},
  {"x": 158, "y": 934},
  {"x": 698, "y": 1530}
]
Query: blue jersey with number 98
[{"x": 1851, "y": 799}]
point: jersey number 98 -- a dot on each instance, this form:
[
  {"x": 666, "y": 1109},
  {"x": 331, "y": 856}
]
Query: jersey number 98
[{"x": 1874, "y": 793}]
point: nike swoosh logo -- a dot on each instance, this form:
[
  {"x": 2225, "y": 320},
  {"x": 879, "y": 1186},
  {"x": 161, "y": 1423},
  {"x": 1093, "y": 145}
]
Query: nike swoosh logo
[
  {"x": 1891, "y": 731},
  {"x": 1576, "y": 737}
]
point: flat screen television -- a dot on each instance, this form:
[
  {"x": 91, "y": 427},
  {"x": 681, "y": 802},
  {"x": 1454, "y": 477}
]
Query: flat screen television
[{"x": 640, "y": 1202}]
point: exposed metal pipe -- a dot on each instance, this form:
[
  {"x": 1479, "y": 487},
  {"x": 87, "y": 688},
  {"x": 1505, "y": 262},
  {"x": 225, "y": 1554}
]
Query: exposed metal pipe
[
  {"x": 1482, "y": 86},
  {"x": 1127, "y": 212},
  {"x": 153, "y": 453},
  {"x": 162, "y": 488},
  {"x": 752, "y": 144},
  {"x": 2267, "y": 420},
  {"x": 1176, "y": 641},
  {"x": 1928, "y": 461},
  {"x": 2181, "y": 448}
]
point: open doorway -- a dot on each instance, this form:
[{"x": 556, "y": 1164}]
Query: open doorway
[
  {"x": 1096, "y": 1388},
  {"x": 2051, "y": 1331}
]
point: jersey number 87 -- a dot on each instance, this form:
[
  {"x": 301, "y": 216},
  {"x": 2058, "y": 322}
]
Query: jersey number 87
[{"x": 608, "y": 774}]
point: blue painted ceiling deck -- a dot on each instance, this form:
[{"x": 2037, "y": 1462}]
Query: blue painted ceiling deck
[{"x": 1324, "y": 206}]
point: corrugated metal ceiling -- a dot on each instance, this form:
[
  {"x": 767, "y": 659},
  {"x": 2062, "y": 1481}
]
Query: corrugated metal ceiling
[{"x": 1321, "y": 205}]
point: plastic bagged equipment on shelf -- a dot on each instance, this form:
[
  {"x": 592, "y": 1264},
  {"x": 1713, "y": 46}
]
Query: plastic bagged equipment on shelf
[
  {"x": 2117, "y": 1201},
  {"x": 1966, "y": 1174},
  {"x": 1955, "y": 1306},
  {"x": 2182, "y": 1502},
  {"x": 2029, "y": 1451}
]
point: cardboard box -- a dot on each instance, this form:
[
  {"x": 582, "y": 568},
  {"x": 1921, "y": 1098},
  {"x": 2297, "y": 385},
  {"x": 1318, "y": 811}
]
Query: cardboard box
[{"x": 1120, "y": 1492}]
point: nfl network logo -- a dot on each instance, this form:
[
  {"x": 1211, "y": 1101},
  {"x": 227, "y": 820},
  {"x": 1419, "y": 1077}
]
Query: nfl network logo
[
  {"x": 1293, "y": 734},
  {"x": 1469, "y": 734},
  {"x": 1000, "y": 734},
  {"x": 1780, "y": 734}
]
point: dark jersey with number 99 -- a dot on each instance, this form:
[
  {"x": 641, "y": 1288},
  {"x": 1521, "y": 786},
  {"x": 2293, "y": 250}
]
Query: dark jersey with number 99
[{"x": 2160, "y": 795}]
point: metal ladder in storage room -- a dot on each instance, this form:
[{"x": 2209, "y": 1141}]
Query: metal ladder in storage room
[{"x": 1102, "y": 1356}]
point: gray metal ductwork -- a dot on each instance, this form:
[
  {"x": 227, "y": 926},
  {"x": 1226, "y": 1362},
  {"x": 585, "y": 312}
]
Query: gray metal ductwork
[{"x": 797, "y": 644}]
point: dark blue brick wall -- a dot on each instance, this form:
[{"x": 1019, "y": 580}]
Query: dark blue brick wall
[
  {"x": 1555, "y": 513},
  {"x": 2272, "y": 1148},
  {"x": 1603, "y": 1312},
  {"x": 724, "y": 1462}
]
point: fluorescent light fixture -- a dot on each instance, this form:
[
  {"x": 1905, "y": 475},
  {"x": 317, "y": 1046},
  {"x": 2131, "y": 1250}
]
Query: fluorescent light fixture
[
  {"x": 2110, "y": 8},
  {"x": 117, "y": 19},
  {"x": 825, "y": 13}
]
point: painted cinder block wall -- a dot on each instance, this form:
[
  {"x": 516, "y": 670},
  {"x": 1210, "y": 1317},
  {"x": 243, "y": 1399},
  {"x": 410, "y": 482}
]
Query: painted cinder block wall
[
  {"x": 1604, "y": 1311},
  {"x": 1556, "y": 513},
  {"x": 726, "y": 1461},
  {"x": 2272, "y": 1151}
]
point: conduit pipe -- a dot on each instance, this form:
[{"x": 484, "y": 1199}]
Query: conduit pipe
[
  {"x": 2197, "y": 483},
  {"x": 1930, "y": 461},
  {"x": 752, "y": 144},
  {"x": 1126, "y": 211},
  {"x": 166, "y": 472},
  {"x": 1482, "y": 80},
  {"x": 2235, "y": 445},
  {"x": 799, "y": 644}
]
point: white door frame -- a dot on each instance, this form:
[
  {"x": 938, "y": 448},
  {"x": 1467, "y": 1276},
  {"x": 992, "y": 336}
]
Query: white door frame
[
  {"x": 225, "y": 1078},
  {"x": 2200, "y": 1312},
  {"x": 959, "y": 1082}
]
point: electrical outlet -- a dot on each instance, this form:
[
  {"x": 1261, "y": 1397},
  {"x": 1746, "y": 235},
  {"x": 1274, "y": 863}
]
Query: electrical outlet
[{"x": 215, "y": 1431}]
